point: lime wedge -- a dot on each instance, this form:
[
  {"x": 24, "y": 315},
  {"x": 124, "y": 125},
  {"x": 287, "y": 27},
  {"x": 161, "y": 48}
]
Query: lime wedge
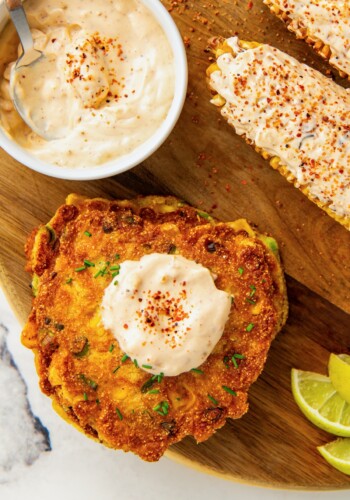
[
  {"x": 320, "y": 402},
  {"x": 339, "y": 373},
  {"x": 337, "y": 454}
]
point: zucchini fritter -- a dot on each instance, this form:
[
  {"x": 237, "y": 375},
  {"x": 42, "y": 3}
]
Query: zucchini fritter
[{"x": 92, "y": 383}]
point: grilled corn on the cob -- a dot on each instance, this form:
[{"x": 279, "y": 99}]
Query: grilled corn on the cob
[
  {"x": 324, "y": 24},
  {"x": 292, "y": 114}
]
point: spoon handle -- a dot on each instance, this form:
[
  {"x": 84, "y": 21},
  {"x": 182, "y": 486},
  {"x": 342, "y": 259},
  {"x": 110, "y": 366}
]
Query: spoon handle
[{"x": 19, "y": 19}]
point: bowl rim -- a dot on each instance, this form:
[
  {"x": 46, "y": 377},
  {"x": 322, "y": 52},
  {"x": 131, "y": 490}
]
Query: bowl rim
[{"x": 147, "y": 148}]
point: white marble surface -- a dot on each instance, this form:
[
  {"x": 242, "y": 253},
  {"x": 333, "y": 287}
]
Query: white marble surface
[{"x": 78, "y": 468}]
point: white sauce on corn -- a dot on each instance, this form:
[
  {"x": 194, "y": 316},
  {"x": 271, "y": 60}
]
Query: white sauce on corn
[
  {"x": 166, "y": 312},
  {"x": 292, "y": 112},
  {"x": 105, "y": 88},
  {"x": 326, "y": 20}
]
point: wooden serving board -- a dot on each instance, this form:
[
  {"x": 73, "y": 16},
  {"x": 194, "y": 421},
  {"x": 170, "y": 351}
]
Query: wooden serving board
[{"x": 205, "y": 163}]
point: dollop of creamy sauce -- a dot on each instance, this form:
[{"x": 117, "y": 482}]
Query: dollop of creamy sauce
[
  {"x": 105, "y": 86},
  {"x": 327, "y": 20},
  {"x": 165, "y": 312},
  {"x": 292, "y": 112}
]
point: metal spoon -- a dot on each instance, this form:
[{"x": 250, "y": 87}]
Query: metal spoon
[
  {"x": 30, "y": 54},
  {"x": 27, "y": 60}
]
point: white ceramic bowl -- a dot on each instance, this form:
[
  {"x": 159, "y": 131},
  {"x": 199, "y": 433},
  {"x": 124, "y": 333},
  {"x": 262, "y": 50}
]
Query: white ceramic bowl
[{"x": 147, "y": 148}]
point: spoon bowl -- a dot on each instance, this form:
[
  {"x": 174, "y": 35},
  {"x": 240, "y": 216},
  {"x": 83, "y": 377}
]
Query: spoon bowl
[{"x": 28, "y": 58}]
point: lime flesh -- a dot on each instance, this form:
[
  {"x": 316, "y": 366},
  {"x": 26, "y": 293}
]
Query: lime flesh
[
  {"x": 320, "y": 402},
  {"x": 337, "y": 454},
  {"x": 339, "y": 374}
]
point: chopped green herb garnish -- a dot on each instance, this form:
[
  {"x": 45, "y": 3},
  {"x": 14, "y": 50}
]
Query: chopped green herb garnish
[
  {"x": 117, "y": 256},
  {"x": 153, "y": 391},
  {"x": 85, "y": 396},
  {"x": 251, "y": 301},
  {"x": 119, "y": 413},
  {"x": 69, "y": 280},
  {"x": 253, "y": 290},
  {"x": 88, "y": 234},
  {"x": 178, "y": 399},
  {"x": 116, "y": 283},
  {"x": 213, "y": 400},
  {"x": 97, "y": 401},
  {"x": 115, "y": 268},
  {"x": 92, "y": 384},
  {"x": 147, "y": 367},
  {"x": 235, "y": 364},
  {"x": 111, "y": 347},
  {"x": 226, "y": 361},
  {"x": 239, "y": 356},
  {"x": 148, "y": 384},
  {"x": 78, "y": 269},
  {"x": 204, "y": 215},
  {"x": 160, "y": 377},
  {"x": 115, "y": 274},
  {"x": 233, "y": 359},
  {"x": 241, "y": 270},
  {"x": 87, "y": 263},
  {"x": 136, "y": 363},
  {"x": 162, "y": 408},
  {"x": 250, "y": 327},
  {"x": 88, "y": 381},
  {"x": 83, "y": 352},
  {"x": 124, "y": 358},
  {"x": 101, "y": 272},
  {"x": 230, "y": 391},
  {"x": 116, "y": 369},
  {"x": 196, "y": 370}
]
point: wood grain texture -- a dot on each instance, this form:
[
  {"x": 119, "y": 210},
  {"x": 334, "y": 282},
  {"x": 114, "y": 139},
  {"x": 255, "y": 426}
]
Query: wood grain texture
[{"x": 206, "y": 164}]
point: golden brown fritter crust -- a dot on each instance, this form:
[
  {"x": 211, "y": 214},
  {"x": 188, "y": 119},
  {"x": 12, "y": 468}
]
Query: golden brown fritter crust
[{"x": 80, "y": 364}]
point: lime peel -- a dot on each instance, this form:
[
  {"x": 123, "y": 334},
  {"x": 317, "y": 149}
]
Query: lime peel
[
  {"x": 325, "y": 401},
  {"x": 337, "y": 454},
  {"x": 320, "y": 403}
]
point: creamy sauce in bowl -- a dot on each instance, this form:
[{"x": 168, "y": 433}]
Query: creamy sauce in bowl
[
  {"x": 165, "y": 312},
  {"x": 108, "y": 85}
]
